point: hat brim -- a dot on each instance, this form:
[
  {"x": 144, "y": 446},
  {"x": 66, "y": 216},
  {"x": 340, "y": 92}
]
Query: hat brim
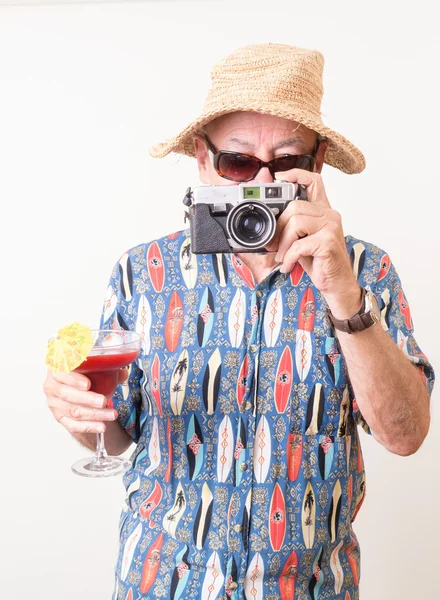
[{"x": 340, "y": 153}]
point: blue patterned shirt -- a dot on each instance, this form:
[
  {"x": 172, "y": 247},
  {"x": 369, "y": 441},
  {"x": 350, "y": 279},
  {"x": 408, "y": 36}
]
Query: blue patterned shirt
[{"x": 248, "y": 472}]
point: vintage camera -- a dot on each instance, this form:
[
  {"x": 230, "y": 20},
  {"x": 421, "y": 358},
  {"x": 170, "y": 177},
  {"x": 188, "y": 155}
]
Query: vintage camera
[{"x": 237, "y": 218}]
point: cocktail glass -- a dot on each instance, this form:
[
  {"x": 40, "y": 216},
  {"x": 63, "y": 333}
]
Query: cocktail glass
[{"x": 112, "y": 350}]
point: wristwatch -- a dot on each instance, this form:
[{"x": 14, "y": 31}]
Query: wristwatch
[{"x": 367, "y": 315}]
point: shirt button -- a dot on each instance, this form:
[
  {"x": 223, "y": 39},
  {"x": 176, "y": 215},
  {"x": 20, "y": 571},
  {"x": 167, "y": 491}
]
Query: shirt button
[
  {"x": 243, "y": 466},
  {"x": 238, "y": 528},
  {"x": 253, "y": 347},
  {"x": 233, "y": 585},
  {"x": 259, "y": 293}
]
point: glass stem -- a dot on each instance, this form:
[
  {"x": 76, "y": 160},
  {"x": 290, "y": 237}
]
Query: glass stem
[{"x": 101, "y": 452}]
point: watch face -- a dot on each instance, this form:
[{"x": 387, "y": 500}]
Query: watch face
[{"x": 373, "y": 307}]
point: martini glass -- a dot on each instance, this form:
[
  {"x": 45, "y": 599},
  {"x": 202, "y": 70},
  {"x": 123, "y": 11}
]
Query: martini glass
[{"x": 112, "y": 350}]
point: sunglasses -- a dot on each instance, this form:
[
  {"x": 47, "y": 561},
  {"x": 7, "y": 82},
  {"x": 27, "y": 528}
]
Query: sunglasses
[{"x": 236, "y": 166}]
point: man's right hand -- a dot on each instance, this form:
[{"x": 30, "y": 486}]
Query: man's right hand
[{"x": 73, "y": 404}]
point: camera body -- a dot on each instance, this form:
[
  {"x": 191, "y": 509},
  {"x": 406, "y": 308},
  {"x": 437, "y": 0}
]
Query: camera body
[{"x": 237, "y": 218}]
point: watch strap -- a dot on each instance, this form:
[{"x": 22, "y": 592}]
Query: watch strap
[{"x": 358, "y": 322}]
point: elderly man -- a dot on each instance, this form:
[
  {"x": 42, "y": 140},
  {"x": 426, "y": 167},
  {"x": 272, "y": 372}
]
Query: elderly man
[{"x": 255, "y": 368}]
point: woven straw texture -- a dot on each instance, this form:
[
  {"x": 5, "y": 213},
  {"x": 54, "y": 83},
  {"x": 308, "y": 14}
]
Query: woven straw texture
[{"x": 275, "y": 79}]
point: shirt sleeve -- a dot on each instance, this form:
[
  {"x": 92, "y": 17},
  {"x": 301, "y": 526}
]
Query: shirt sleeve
[
  {"x": 117, "y": 313},
  {"x": 381, "y": 277}
]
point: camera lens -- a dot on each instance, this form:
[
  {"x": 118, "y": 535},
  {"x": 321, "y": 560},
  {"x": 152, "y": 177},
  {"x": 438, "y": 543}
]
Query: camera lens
[{"x": 251, "y": 224}]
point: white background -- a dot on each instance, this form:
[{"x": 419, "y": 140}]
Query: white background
[{"x": 85, "y": 90}]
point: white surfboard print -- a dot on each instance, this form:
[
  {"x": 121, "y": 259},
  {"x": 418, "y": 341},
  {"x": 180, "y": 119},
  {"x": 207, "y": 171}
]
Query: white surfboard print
[
  {"x": 109, "y": 303},
  {"x": 214, "y": 578},
  {"x": 262, "y": 450},
  {"x": 273, "y": 318},
  {"x": 225, "y": 449},
  {"x": 154, "y": 448},
  {"x": 236, "y": 319},
  {"x": 253, "y": 581},
  {"x": 143, "y": 323},
  {"x": 129, "y": 548}
]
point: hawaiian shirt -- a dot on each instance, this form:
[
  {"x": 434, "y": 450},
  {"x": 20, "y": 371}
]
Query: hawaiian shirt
[{"x": 248, "y": 471}]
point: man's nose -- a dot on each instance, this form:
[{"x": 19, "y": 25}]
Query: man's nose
[{"x": 264, "y": 176}]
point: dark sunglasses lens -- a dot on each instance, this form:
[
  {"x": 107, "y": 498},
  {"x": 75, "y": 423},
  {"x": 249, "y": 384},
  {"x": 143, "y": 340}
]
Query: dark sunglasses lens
[
  {"x": 285, "y": 163},
  {"x": 236, "y": 166}
]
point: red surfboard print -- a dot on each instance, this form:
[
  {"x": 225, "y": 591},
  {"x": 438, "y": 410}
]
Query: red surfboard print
[
  {"x": 147, "y": 507},
  {"x": 174, "y": 322},
  {"x": 296, "y": 274},
  {"x": 155, "y": 266},
  {"x": 352, "y": 559},
  {"x": 155, "y": 382},
  {"x": 243, "y": 271},
  {"x": 306, "y": 318},
  {"x": 283, "y": 380},
  {"x": 294, "y": 455},
  {"x": 404, "y": 309},
  {"x": 151, "y": 565},
  {"x": 288, "y": 577},
  {"x": 385, "y": 263},
  {"x": 277, "y": 519},
  {"x": 242, "y": 379}
]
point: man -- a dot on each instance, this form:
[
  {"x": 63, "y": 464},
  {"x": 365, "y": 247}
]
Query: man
[{"x": 255, "y": 369}]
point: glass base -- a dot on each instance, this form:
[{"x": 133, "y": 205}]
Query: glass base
[{"x": 104, "y": 467}]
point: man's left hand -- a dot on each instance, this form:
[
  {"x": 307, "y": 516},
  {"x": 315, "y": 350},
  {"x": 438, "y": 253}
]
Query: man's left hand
[{"x": 322, "y": 251}]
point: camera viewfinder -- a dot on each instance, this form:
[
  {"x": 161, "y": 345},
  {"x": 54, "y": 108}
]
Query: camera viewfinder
[
  {"x": 273, "y": 192},
  {"x": 251, "y": 192}
]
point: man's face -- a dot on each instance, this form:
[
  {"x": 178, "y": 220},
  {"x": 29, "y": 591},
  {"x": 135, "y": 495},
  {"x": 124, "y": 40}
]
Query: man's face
[{"x": 263, "y": 136}]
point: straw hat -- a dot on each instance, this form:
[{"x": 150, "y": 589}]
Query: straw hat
[{"x": 275, "y": 79}]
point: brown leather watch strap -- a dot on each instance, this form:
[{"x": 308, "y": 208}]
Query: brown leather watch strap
[{"x": 358, "y": 322}]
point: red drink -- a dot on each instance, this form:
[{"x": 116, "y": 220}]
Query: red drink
[
  {"x": 112, "y": 350},
  {"x": 102, "y": 370}
]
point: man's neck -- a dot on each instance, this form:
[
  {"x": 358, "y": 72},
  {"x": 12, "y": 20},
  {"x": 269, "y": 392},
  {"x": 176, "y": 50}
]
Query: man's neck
[{"x": 259, "y": 264}]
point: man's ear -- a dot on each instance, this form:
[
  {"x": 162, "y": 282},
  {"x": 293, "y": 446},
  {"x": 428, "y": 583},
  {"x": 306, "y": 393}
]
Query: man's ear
[
  {"x": 202, "y": 158},
  {"x": 319, "y": 161}
]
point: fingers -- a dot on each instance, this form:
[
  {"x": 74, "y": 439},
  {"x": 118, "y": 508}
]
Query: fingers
[
  {"x": 73, "y": 405},
  {"x": 74, "y": 396},
  {"x": 80, "y": 419},
  {"x": 312, "y": 181},
  {"x": 296, "y": 228},
  {"x": 309, "y": 246},
  {"x": 69, "y": 388},
  {"x": 77, "y": 380},
  {"x": 296, "y": 208},
  {"x": 75, "y": 426},
  {"x": 300, "y": 207},
  {"x": 319, "y": 243},
  {"x": 328, "y": 241},
  {"x": 82, "y": 413}
]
